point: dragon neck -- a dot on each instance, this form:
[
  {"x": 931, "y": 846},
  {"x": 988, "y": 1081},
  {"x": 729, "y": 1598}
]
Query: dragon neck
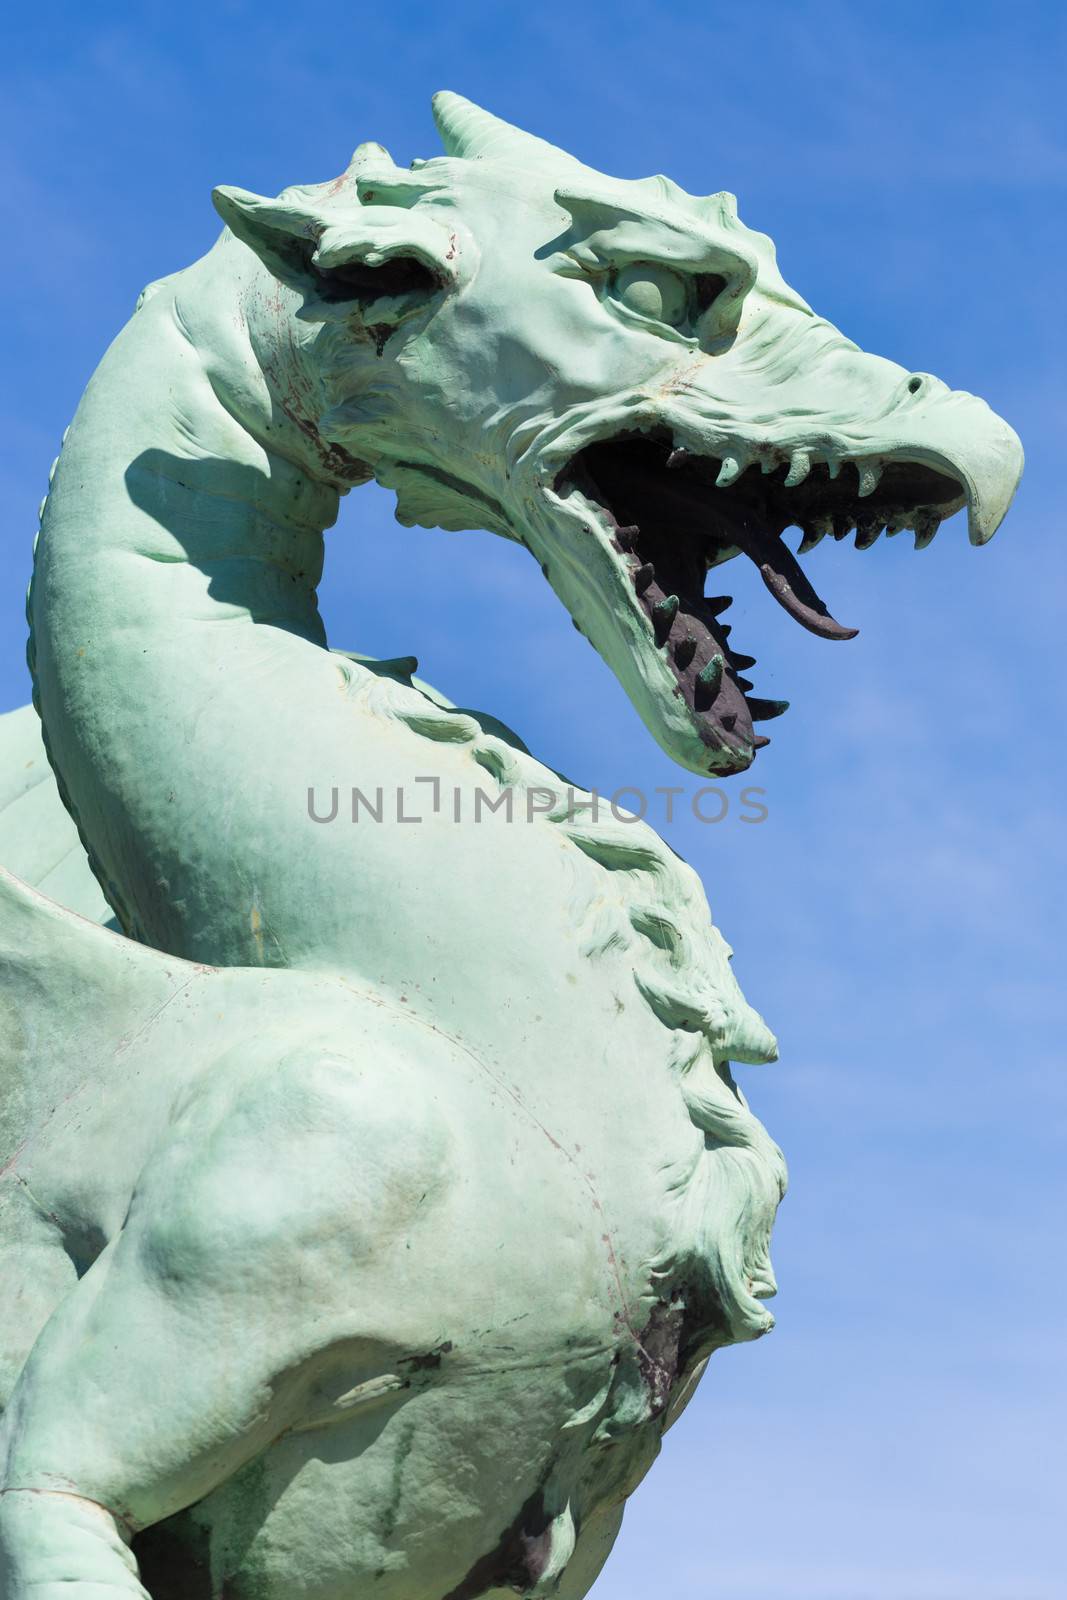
[{"x": 186, "y": 510}]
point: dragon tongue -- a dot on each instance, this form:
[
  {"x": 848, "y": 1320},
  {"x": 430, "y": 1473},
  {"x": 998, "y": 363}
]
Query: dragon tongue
[
  {"x": 815, "y": 618},
  {"x": 787, "y": 582},
  {"x": 782, "y": 573}
]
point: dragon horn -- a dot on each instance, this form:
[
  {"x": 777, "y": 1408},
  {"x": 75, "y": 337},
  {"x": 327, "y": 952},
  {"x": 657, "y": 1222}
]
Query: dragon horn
[
  {"x": 371, "y": 154},
  {"x": 467, "y": 131}
]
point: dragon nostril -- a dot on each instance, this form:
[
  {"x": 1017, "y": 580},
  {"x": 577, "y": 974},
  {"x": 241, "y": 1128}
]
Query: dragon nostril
[{"x": 914, "y": 385}]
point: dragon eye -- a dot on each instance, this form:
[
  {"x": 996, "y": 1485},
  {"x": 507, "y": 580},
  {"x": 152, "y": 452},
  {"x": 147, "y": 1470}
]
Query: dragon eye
[{"x": 658, "y": 293}]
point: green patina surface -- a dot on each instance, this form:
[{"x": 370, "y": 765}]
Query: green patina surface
[{"x": 372, "y": 1202}]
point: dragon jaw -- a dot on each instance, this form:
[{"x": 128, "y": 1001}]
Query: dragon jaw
[{"x": 655, "y": 511}]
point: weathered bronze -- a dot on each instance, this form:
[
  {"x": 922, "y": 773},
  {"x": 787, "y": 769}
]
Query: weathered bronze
[{"x": 372, "y": 1202}]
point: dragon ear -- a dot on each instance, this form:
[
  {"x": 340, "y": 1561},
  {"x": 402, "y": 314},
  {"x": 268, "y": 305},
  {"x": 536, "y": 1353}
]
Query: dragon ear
[
  {"x": 363, "y": 254},
  {"x": 369, "y": 156},
  {"x": 283, "y": 235},
  {"x": 471, "y": 133}
]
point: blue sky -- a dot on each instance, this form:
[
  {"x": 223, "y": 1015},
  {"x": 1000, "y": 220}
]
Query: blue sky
[{"x": 898, "y": 916}]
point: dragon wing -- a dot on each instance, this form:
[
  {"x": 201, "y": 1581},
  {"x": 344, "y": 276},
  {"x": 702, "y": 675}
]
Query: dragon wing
[
  {"x": 71, "y": 992},
  {"x": 38, "y": 840}
]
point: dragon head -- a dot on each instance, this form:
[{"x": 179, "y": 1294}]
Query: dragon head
[{"x": 615, "y": 374}]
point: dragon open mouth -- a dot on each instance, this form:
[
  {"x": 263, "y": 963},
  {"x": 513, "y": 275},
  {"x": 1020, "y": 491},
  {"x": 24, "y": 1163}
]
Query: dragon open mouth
[{"x": 672, "y": 515}]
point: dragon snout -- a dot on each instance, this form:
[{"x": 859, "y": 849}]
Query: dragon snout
[
  {"x": 958, "y": 434},
  {"x": 701, "y": 483}
]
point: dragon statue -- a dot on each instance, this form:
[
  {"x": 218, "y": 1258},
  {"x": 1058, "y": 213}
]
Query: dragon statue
[{"x": 372, "y": 1198}]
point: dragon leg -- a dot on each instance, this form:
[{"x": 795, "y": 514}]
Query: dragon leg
[{"x": 175, "y": 1361}]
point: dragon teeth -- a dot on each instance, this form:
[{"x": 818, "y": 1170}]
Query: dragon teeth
[
  {"x": 663, "y": 615},
  {"x": 815, "y": 530},
  {"x": 644, "y": 576},
  {"x": 926, "y": 525},
  {"x": 729, "y": 472},
  {"x": 867, "y": 531},
  {"x": 764, "y": 710},
  {"x": 799, "y": 467},
  {"x": 684, "y": 651},
  {"x": 870, "y": 477},
  {"x": 709, "y": 681}
]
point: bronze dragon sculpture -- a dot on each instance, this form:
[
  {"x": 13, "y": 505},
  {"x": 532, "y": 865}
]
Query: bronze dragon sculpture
[{"x": 373, "y": 1200}]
